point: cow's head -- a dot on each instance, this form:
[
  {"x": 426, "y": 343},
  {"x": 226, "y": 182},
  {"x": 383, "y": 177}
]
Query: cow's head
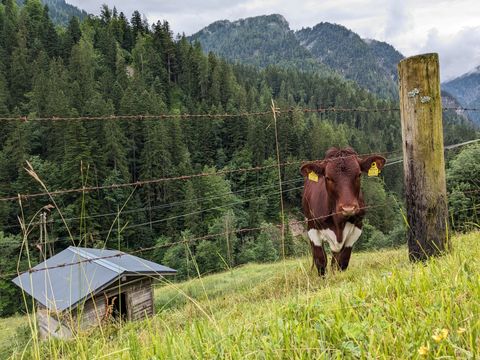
[{"x": 341, "y": 170}]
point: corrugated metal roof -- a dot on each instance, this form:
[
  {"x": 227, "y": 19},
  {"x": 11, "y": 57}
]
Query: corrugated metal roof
[{"x": 60, "y": 288}]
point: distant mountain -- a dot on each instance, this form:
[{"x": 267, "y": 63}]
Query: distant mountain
[
  {"x": 60, "y": 11},
  {"x": 466, "y": 89},
  {"x": 450, "y": 101},
  {"x": 370, "y": 63},
  {"x": 259, "y": 41},
  {"x": 265, "y": 40}
]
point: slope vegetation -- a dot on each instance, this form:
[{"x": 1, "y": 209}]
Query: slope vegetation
[
  {"x": 382, "y": 307},
  {"x": 466, "y": 89},
  {"x": 370, "y": 63},
  {"x": 259, "y": 41},
  {"x": 268, "y": 40},
  {"x": 60, "y": 11}
]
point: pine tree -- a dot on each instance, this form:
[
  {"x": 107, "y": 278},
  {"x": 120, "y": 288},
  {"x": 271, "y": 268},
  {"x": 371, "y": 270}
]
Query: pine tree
[
  {"x": 82, "y": 73},
  {"x": 49, "y": 35},
  {"x": 71, "y": 37},
  {"x": 10, "y": 295},
  {"x": 114, "y": 149},
  {"x": 20, "y": 70},
  {"x": 8, "y": 37},
  {"x": 3, "y": 97},
  {"x": 137, "y": 25}
]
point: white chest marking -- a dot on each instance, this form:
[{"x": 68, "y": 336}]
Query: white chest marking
[{"x": 351, "y": 233}]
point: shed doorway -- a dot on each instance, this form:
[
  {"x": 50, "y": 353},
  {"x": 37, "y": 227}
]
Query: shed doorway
[{"x": 118, "y": 305}]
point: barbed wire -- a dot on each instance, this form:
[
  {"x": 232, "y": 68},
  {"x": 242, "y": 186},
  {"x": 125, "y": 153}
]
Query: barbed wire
[
  {"x": 341, "y": 110},
  {"x": 366, "y": 110},
  {"x": 198, "y": 175},
  {"x": 152, "y": 222},
  {"x": 392, "y": 162},
  {"x": 134, "y": 117},
  {"x": 446, "y": 147},
  {"x": 221, "y": 172},
  {"x": 190, "y": 240},
  {"x": 143, "y": 182},
  {"x": 162, "y": 206},
  {"x": 332, "y": 109},
  {"x": 148, "y": 223},
  {"x": 175, "y": 178}
]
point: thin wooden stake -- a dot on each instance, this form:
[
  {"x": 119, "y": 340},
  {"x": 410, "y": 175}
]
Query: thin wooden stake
[
  {"x": 229, "y": 250},
  {"x": 274, "y": 112}
]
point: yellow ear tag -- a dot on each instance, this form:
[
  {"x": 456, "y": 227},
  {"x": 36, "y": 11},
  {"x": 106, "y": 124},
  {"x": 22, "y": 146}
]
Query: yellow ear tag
[
  {"x": 312, "y": 176},
  {"x": 373, "y": 171}
]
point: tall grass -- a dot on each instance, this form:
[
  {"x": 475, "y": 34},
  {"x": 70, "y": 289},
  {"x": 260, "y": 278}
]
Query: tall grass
[{"x": 381, "y": 307}]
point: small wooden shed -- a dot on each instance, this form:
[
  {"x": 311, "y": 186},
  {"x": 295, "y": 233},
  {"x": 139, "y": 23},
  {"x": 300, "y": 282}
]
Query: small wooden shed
[{"x": 81, "y": 287}]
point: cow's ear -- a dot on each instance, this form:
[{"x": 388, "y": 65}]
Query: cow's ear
[
  {"x": 317, "y": 167},
  {"x": 366, "y": 163}
]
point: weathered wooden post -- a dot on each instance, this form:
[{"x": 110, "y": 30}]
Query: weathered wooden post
[{"x": 423, "y": 159}]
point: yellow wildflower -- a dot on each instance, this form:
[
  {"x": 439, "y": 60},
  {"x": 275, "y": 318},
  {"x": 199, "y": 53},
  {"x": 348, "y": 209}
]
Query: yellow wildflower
[
  {"x": 423, "y": 350},
  {"x": 440, "y": 335}
]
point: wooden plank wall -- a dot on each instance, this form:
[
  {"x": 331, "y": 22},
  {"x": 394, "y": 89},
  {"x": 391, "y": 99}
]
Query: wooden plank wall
[
  {"x": 49, "y": 326},
  {"x": 139, "y": 298}
]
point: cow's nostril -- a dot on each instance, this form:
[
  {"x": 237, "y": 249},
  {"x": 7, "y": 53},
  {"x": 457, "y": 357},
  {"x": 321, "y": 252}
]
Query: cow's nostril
[{"x": 349, "y": 210}]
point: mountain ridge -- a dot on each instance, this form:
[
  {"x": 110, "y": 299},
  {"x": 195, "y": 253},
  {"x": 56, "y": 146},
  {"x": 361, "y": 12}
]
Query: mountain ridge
[
  {"x": 466, "y": 89},
  {"x": 245, "y": 41},
  {"x": 60, "y": 11},
  {"x": 267, "y": 39}
]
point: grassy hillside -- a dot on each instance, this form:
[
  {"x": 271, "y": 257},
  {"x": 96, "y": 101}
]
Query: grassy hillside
[{"x": 382, "y": 307}]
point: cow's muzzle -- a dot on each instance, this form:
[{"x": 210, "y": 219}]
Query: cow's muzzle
[{"x": 349, "y": 210}]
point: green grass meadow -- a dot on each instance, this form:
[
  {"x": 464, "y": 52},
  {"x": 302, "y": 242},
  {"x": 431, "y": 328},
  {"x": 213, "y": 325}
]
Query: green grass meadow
[{"x": 382, "y": 307}]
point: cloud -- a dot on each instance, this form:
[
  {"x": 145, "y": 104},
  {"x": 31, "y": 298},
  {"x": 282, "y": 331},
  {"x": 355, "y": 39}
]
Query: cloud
[
  {"x": 398, "y": 19},
  {"x": 458, "y": 52},
  {"x": 410, "y": 26}
]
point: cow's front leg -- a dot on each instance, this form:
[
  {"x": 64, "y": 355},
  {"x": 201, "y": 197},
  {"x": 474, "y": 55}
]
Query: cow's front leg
[
  {"x": 319, "y": 255},
  {"x": 319, "y": 259},
  {"x": 335, "y": 261},
  {"x": 342, "y": 258}
]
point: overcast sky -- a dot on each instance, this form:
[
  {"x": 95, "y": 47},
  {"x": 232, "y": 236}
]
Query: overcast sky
[{"x": 449, "y": 27}]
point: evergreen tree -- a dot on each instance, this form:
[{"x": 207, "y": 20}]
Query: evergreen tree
[
  {"x": 72, "y": 36},
  {"x": 10, "y": 295},
  {"x": 49, "y": 36},
  {"x": 82, "y": 74},
  {"x": 3, "y": 97},
  {"x": 9, "y": 31},
  {"x": 20, "y": 70}
]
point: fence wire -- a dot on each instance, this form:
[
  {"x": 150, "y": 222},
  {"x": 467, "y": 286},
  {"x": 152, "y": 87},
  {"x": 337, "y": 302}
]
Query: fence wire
[{"x": 198, "y": 175}]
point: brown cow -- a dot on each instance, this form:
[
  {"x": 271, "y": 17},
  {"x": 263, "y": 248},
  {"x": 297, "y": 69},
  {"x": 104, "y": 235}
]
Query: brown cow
[{"x": 333, "y": 203}]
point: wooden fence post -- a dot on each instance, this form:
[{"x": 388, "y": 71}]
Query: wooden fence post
[{"x": 423, "y": 158}]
